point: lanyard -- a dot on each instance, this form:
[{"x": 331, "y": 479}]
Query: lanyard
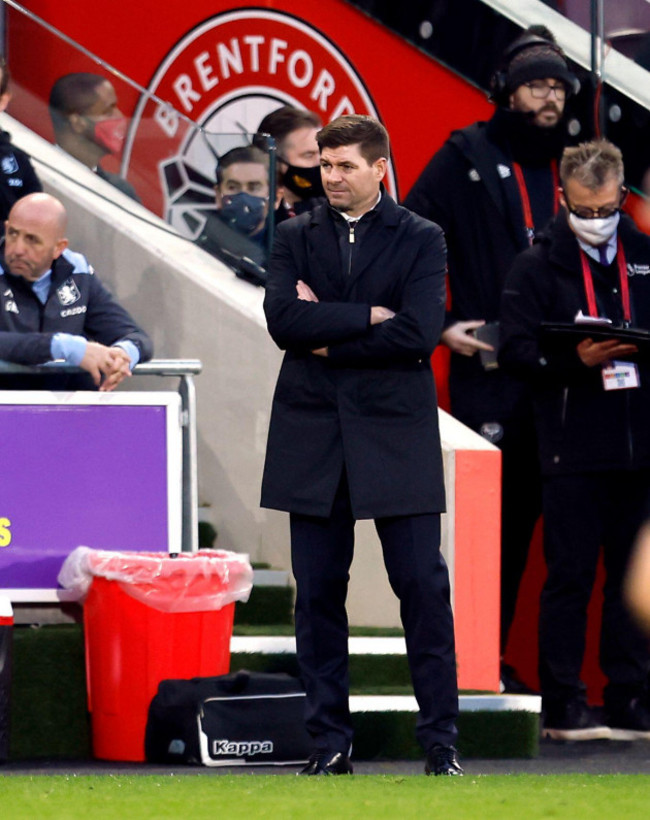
[
  {"x": 525, "y": 199},
  {"x": 622, "y": 275}
]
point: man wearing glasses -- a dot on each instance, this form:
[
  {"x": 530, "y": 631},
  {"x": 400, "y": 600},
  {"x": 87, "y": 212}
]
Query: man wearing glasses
[
  {"x": 592, "y": 404},
  {"x": 492, "y": 187}
]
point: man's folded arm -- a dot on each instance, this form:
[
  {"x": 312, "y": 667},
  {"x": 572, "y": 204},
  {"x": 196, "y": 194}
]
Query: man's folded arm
[
  {"x": 415, "y": 329},
  {"x": 25, "y": 348},
  {"x": 108, "y": 323},
  {"x": 294, "y": 322}
]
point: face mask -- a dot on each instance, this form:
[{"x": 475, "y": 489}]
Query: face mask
[
  {"x": 110, "y": 133},
  {"x": 304, "y": 182},
  {"x": 594, "y": 231},
  {"x": 243, "y": 212}
]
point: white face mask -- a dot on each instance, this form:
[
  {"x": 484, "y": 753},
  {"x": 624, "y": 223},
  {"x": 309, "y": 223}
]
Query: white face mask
[{"x": 594, "y": 231}]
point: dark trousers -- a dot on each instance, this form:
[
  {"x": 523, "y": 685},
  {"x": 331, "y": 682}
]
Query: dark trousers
[
  {"x": 321, "y": 551},
  {"x": 582, "y": 513}
]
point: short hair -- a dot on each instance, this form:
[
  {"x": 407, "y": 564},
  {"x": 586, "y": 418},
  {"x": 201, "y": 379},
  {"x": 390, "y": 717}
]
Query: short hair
[
  {"x": 4, "y": 76},
  {"x": 73, "y": 94},
  {"x": 592, "y": 164},
  {"x": 284, "y": 121},
  {"x": 243, "y": 153},
  {"x": 356, "y": 129}
]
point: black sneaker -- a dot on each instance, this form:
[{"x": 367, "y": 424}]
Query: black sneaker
[
  {"x": 632, "y": 722},
  {"x": 328, "y": 763},
  {"x": 443, "y": 760},
  {"x": 574, "y": 720}
]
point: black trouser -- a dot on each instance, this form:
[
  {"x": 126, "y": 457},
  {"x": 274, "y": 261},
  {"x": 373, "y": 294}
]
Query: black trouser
[
  {"x": 322, "y": 550},
  {"x": 582, "y": 513}
]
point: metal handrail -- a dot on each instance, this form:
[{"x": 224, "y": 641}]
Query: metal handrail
[{"x": 155, "y": 367}]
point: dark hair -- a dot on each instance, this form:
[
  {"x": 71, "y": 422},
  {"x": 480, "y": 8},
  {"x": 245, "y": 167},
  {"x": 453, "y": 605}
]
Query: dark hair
[
  {"x": 356, "y": 129},
  {"x": 592, "y": 164},
  {"x": 73, "y": 94},
  {"x": 243, "y": 153},
  {"x": 284, "y": 121},
  {"x": 4, "y": 80}
]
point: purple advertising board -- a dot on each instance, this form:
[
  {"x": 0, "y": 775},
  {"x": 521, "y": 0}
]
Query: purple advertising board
[{"x": 101, "y": 470}]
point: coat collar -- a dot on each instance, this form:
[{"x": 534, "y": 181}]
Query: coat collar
[{"x": 323, "y": 241}]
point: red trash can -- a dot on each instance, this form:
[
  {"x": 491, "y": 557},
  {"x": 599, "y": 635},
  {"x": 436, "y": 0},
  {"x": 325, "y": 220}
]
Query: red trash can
[{"x": 149, "y": 617}]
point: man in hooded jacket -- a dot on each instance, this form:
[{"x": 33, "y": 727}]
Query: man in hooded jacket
[{"x": 491, "y": 187}]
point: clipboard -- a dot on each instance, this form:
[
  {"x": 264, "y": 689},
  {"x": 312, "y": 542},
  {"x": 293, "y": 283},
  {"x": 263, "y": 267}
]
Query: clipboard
[{"x": 564, "y": 335}]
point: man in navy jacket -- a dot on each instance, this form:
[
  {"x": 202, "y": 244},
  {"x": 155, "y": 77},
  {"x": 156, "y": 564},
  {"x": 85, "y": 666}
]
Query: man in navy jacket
[
  {"x": 592, "y": 403},
  {"x": 356, "y": 297},
  {"x": 52, "y": 306}
]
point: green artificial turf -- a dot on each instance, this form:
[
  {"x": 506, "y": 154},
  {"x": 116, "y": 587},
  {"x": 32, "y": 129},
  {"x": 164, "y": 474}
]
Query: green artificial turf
[
  {"x": 49, "y": 719},
  {"x": 379, "y": 797},
  {"x": 268, "y": 606},
  {"x": 48, "y": 716}
]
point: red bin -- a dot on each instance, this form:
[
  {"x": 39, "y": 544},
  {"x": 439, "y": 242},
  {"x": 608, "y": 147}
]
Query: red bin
[{"x": 149, "y": 617}]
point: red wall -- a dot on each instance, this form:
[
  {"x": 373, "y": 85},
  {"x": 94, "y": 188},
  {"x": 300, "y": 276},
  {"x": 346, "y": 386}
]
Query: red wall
[{"x": 418, "y": 100}]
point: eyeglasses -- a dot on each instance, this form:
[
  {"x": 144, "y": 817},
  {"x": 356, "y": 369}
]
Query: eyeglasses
[
  {"x": 540, "y": 90},
  {"x": 597, "y": 213}
]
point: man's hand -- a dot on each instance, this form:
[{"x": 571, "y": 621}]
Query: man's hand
[
  {"x": 592, "y": 353},
  {"x": 111, "y": 363},
  {"x": 458, "y": 338},
  {"x": 305, "y": 292},
  {"x": 120, "y": 369},
  {"x": 380, "y": 314}
]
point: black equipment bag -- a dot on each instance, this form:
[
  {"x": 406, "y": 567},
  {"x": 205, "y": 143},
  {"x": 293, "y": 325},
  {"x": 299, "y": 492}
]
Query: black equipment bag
[{"x": 245, "y": 718}]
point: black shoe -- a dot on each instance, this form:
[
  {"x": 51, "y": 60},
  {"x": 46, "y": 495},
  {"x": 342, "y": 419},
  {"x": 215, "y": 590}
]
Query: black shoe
[
  {"x": 442, "y": 760},
  {"x": 328, "y": 763},
  {"x": 631, "y": 722},
  {"x": 574, "y": 720},
  {"x": 510, "y": 684}
]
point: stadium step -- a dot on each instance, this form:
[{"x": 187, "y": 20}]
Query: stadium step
[{"x": 384, "y": 709}]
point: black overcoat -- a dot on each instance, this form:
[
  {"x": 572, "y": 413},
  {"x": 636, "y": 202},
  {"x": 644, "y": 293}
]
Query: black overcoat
[{"x": 371, "y": 405}]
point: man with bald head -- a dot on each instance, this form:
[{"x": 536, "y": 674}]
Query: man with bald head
[{"x": 53, "y": 306}]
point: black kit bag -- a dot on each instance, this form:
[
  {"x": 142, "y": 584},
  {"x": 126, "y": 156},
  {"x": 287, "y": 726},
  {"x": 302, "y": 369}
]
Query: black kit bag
[{"x": 245, "y": 718}]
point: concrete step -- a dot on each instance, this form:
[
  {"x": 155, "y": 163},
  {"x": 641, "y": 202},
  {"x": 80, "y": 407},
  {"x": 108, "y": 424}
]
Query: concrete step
[{"x": 490, "y": 724}]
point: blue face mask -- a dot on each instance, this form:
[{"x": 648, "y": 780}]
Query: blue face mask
[{"x": 243, "y": 212}]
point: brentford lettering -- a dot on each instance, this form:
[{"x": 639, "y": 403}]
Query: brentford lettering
[
  {"x": 252, "y": 55},
  {"x": 220, "y": 80}
]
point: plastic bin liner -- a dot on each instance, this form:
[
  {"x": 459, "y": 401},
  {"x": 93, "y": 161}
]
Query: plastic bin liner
[{"x": 188, "y": 582}]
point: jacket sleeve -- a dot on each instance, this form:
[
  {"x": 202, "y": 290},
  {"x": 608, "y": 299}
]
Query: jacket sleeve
[
  {"x": 31, "y": 182},
  {"x": 108, "y": 322},
  {"x": 415, "y": 329},
  {"x": 433, "y": 190},
  {"x": 436, "y": 195},
  {"x": 25, "y": 348},
  {"x": 526, "y": 302},
  {"x": 294, "y": 323}
]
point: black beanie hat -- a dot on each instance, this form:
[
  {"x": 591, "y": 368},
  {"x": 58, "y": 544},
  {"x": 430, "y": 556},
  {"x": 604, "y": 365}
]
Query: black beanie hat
[{"x": 538, "y": 62}]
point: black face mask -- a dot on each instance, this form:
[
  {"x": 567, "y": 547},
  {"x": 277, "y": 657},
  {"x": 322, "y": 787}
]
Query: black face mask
[{"x": 303, "y": 182}]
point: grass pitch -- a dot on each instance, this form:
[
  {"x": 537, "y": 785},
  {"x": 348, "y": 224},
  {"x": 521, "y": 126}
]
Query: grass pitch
[{"x": 379, "y": 797}]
